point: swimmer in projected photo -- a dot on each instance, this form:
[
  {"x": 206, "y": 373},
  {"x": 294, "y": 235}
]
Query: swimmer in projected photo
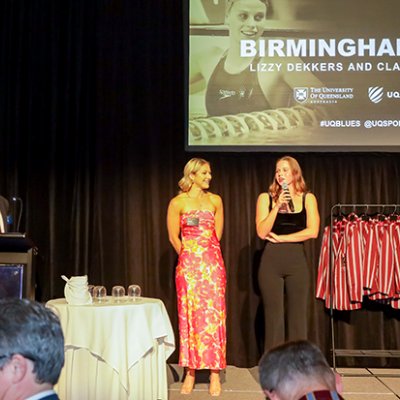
[
  {"x": 235, "y": 84},
  {"x": 206, "y": 12}
]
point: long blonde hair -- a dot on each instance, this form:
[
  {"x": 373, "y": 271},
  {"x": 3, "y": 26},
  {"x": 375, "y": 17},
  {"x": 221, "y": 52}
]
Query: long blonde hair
[
  {"x": 298, "y": 180},
  {"x": 191, "y": 167}
]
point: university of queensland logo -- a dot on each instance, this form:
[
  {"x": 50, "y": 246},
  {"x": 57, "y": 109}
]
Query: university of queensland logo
[{"x": 300, "y": 94}]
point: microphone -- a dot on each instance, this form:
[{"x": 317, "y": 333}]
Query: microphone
[
  {"x": 21, "y": 207},
  {"x": 285, "y": 188}
]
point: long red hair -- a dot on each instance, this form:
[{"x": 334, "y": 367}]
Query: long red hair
[{"x": 298, "y": 180}]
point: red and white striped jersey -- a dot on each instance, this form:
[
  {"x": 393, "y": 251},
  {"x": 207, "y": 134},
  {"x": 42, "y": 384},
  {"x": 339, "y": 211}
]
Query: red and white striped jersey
[{"x": 364, "y": 260}]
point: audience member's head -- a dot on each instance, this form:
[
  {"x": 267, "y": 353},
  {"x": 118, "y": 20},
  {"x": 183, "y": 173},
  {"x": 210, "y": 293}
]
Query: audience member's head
[
  {"x": 31, "y": 348},
  {"x": 293, "y": 369}
]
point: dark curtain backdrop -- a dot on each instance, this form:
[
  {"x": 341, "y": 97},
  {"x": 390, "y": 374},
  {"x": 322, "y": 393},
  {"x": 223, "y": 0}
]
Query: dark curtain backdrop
[{"x": 92, "y": 139}]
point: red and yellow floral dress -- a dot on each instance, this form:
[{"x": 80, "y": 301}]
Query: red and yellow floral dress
[{"x": 200, "y": 284}]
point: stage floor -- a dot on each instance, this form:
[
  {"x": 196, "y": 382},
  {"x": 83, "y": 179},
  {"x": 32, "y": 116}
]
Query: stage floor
[{"x": 242, "y": 384}]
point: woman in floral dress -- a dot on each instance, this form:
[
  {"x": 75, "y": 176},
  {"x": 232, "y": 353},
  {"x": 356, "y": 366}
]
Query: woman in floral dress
[{"x": 195, "y": 223}]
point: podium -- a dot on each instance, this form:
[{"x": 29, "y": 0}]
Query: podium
[{"x": 17, "y": 250}]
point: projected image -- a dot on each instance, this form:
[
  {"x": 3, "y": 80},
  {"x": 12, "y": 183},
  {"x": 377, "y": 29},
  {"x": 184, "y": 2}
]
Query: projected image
[
  {"x": 213, "y": 12},
  {"x": 268, "y": 74}
]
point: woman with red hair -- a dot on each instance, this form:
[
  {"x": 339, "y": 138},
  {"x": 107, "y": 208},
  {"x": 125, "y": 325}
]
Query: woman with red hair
[{"x": 287, "y": 215}]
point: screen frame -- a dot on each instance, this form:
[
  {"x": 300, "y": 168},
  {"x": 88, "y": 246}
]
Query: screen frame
[{"x": 279, "y": 148}]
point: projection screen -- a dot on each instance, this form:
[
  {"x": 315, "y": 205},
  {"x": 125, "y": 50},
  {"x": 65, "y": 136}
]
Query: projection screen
[{"x": 304, "y": 75}]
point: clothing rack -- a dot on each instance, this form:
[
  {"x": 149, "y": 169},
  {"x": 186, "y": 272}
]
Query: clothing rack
[{"x": 352, "y": 352}]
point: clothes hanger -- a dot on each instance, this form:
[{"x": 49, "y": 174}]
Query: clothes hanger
[
  {"x": 340, "y": 216},
  {"x": 393, "y": 216},
  {"x": 364, "y": 215},
  {"x": 381, "y": 216},
  {"x": 353, "y": 215}
]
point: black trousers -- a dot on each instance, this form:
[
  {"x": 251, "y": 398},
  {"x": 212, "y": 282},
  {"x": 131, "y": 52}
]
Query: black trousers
[{"x": 284, "y": 282}]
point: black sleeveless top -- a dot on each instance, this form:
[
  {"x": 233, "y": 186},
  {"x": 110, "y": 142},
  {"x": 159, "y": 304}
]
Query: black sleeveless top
[
  {"x": 286, "y": 223},
  {"x": 234, "y": 93}
]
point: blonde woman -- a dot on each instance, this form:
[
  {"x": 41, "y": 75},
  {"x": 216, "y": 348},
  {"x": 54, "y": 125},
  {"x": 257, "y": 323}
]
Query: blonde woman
[
  {"x": 286, "y": 217},
  {"x": 195, "y": 224}
]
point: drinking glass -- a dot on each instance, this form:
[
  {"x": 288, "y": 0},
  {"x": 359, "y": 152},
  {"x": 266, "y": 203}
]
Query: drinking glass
[
  {"x": 118, "y": 293},
  {"x": 90, "y": 290},
  {"x": 134, "y": 292},
  {"x": 99, "y": 294}
]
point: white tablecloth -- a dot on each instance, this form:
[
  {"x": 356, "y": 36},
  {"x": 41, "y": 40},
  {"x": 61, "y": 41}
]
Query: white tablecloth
[{"x": 115, "y": 351}]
